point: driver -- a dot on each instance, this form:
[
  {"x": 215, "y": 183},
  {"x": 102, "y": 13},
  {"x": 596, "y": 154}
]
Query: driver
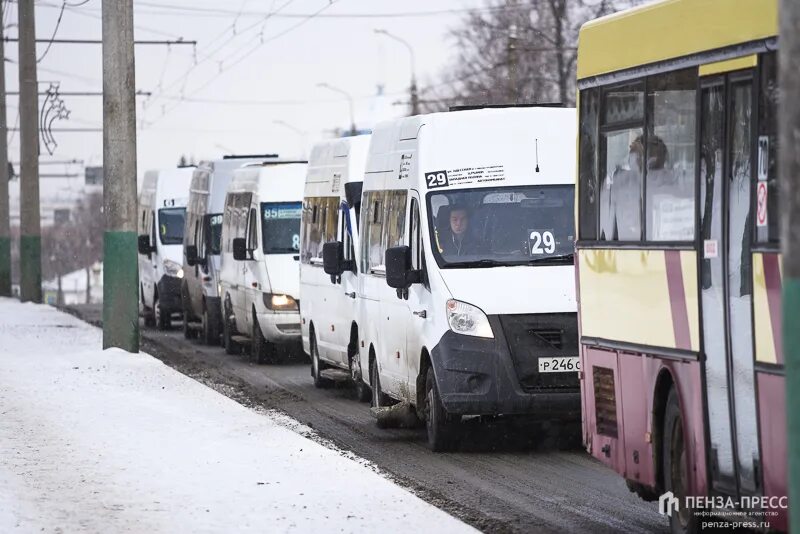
[{"x": 460, "y": 242}]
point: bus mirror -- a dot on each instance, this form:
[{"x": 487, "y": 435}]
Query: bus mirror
[
  {"x": 191, "y": 255},
  {"x": 144, "y": 245},
  {"x": 239, "y": 248},
  {"x": 398, "y": 267},
  {"x": 333, "y": 258}
]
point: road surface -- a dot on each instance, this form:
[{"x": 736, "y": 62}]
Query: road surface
[{"x": 506, "y": 477}]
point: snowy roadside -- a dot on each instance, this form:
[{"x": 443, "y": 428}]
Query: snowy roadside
[{"x": 106, "y": 441}]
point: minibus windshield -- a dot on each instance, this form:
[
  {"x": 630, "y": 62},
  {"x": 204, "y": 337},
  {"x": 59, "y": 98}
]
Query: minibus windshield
[
  {"x": 280, "y": 227},
  {"x": 214, "y": 230},
  {"x": 170, "y": 225},
  {"x": 491, "y": 227}
]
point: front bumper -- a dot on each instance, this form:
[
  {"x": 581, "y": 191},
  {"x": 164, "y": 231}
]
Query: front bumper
[
  {"x": 169, "y": 294},
  {"x": 477, "y": 376},
  {"x": 280, "y": 327}
]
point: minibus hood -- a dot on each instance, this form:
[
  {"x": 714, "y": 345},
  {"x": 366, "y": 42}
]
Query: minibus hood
[
  {"x": 283, "y": 272},
  {"x": 514, "y": 290}
]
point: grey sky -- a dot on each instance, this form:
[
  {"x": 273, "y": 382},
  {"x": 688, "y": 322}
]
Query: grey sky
[{"x": 343, "y": 52}]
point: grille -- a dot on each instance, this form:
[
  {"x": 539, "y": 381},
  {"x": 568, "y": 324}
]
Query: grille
[
  {"x": 549, "y": 335},
  {"x": 605, "y": 401}
]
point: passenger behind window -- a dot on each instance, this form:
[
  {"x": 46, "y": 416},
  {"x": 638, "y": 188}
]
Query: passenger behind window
[{"x": 626, "y": 195}]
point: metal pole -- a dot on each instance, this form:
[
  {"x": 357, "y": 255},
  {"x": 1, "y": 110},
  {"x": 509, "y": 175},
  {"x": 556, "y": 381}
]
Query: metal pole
[
  {"x": 30, "y": 243},
  {"x": 353, "y": 129},
  {"x": 789, "y": 174},
  {"x": 5, "y": 223},
  {"x": 413, "y": 88},
  {"x": 120, "y": 269}
]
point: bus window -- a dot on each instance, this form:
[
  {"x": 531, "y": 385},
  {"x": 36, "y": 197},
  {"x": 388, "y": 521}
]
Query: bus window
[
  {"x": 767, "y": 231},
  {"x": 588, "y": 164},
  {"x": 670, "y": 156},
  {"x": 621, "y": 188}
]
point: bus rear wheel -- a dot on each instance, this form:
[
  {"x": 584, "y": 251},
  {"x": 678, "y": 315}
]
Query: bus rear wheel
[{"x": 676, "y": 473}]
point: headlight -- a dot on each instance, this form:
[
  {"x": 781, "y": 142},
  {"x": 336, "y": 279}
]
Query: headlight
[
  {"x": 173, "y": 268},
  {"x": 279, "y": 302},
  {"x": 467, "y": 319}
]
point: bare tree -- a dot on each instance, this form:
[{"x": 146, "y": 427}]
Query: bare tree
[{"x": 517, "y": 51}]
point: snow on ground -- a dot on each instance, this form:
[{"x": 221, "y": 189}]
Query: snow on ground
[{"x": 107, "y": 441}]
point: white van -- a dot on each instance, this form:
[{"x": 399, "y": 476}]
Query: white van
[
  {"x": 260, "y": 268},
  {"x": 162, "y": 208},
  {"x": 331, "y": 204},
  {"x": 466, "y": 282},
  {"x": 201, "y": 245}
]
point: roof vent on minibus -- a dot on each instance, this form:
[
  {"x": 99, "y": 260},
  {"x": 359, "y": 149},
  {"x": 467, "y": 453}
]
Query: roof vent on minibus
[
  {"x": 249, "y": 156},
  {"x": 500, "y": 106}
]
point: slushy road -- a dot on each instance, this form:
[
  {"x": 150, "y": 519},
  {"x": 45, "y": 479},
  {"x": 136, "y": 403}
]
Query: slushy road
[{"x": 505, "y": 477}]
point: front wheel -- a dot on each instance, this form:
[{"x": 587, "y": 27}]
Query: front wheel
[
  {"x": 260, "y": 348},
  {"x": 231, "y": 346},
  {"x": 676, "y": 474},
  {"x": 442, "y": 427},
  {"x": 363, "y": 393},
  {"x": 316, "y": 366},
  {"x": 210, "y": 329},
  {"x": 163, "y": 320}
]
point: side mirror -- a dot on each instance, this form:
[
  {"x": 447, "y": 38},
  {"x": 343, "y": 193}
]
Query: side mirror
[
  {"x": 191, "y": 255},
  {"x": 399, "y": 274},
  {"x": 239, "y": 248},
  {"x": 333, "y": 258},
  {"x": 144, "y": 244}
]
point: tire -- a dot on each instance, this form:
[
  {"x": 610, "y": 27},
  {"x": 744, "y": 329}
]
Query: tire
[
  {"x": 442, "y": 428},
  {"x": 261, "y": 350},
  {"x": 231, "y": 346},
  {"x": 378, "y": 399},
  {"x": 188, "y": 331},
  {"x": 163, "y": 320},
  {"x": 317, "y": 366},
  {"x": 210, "y": 328},
  {"x": 148, "y": 314},
  {"x": 363, "y": 392},
  {"x": 674, "y": 465}
]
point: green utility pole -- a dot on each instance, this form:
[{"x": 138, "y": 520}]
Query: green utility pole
[
  {"x": 120, "y": 269},
  {"x": 5, "y": 216},
  {"x": 789, "y": 173},
  {"x": 30, "y": 242}
]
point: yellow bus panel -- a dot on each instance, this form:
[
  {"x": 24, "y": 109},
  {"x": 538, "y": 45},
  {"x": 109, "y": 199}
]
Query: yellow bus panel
[
  {"x": 671, "y": 29},
  {"x": 645, "y": 297},
  {"x": 767, "y": 281}
]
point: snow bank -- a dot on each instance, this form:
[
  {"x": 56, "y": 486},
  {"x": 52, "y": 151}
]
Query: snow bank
[{"x": 106, "y": 441}]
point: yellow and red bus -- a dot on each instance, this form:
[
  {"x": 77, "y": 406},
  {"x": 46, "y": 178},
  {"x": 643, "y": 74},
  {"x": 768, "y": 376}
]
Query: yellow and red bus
[{"x": 678, "y": 264}]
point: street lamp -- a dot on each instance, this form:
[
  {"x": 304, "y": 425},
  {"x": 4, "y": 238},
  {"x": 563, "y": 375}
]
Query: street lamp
[
  {"x": 324, "y": 85},
  {"x": 414, "y": 95},
  {"x": 298, "y": 131}
]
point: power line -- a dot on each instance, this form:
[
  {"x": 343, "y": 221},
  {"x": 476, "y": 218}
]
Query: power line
[
  {"x": 55, "y": 31},
  {"x": 100, "y": 41}
]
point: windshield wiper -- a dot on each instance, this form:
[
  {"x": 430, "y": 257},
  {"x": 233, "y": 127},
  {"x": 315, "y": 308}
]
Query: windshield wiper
[
  {"x": 563, "y": 258},
  {"x": 477, "y": 263}
]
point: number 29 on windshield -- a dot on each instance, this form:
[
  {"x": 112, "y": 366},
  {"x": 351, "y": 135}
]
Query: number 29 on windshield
[{"x": 541, "y": 242}]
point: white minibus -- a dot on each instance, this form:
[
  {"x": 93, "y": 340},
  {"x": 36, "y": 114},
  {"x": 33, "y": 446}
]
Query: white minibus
[
  {"x": 466, "y": 286},
  {"x": 201, "y": 245},
  {"x": 162, "y": 207},
  {"x": 331, "y": 203},
  {"x": 259, "y": 272}
]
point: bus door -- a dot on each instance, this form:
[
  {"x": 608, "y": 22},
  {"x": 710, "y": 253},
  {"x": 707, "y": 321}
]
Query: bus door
[{"x": 727, "y": 120}]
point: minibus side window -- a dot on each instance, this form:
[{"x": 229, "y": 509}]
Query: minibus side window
[
  {"x": 414, "y": 235},
  {"x": 153, "y": 228},
  {"x": 372, "y": 250},
  {"x": 394, "y": 227},
  {"x": 252, "y": 230}
]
